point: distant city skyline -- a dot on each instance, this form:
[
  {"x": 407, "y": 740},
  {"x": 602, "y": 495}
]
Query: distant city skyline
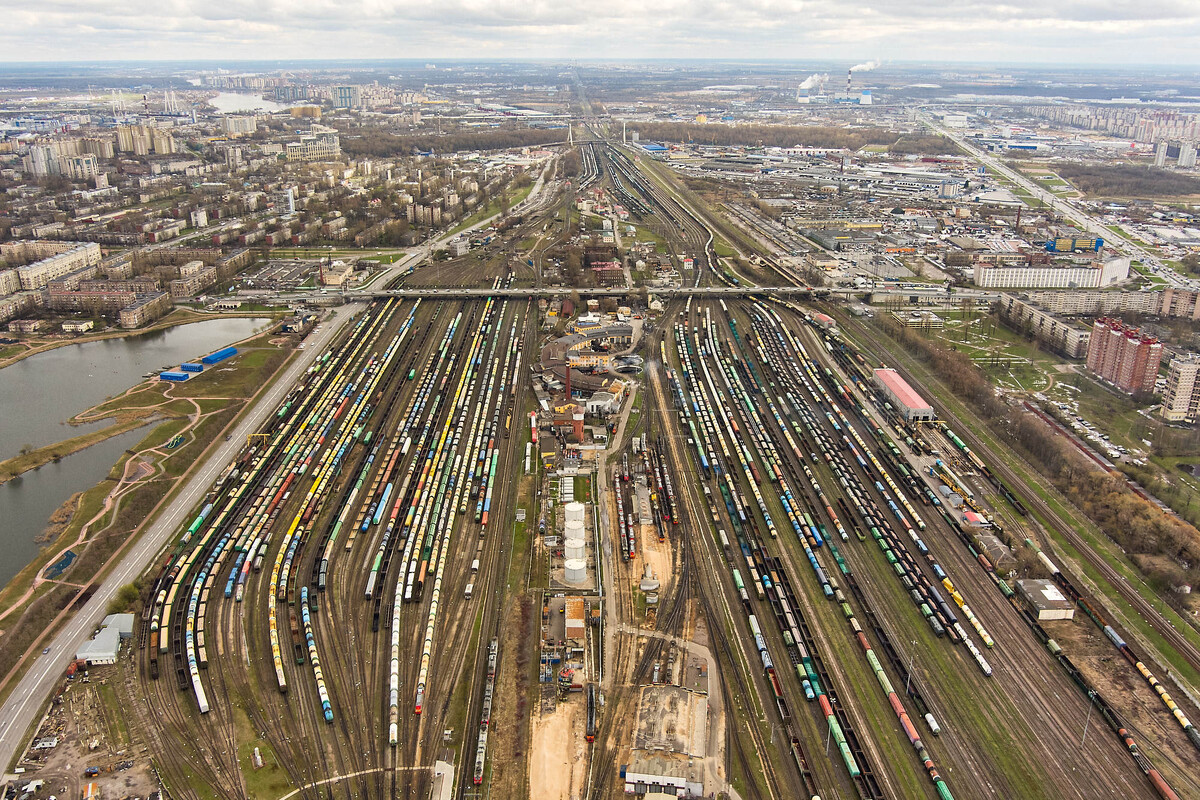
[{"x": 1154, "y": 32}]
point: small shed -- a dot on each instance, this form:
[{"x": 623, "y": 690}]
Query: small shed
[{"x": 1045, "y": 599}]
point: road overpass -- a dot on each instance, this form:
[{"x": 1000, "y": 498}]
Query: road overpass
[{"x": 812, "y": 292}]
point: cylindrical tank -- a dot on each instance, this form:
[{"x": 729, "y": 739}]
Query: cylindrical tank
[
  {"x": 574, "y": 530},
  {"x": 574, "y": 512},
  {"x": 574, "y": 549},
  {"x": 575, "y": 571}
]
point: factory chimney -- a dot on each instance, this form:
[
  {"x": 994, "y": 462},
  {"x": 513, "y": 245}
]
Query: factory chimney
[{"x": 849, "y": 76}]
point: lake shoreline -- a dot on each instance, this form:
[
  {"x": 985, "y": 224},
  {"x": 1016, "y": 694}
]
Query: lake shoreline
[{"x": 187, "y": 317}]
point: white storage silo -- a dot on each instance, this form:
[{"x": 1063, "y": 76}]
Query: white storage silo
[
  {"x": 575, "y": 571},
  {"x": 574, "y": 530},
  {"x": 574, "y": 549},
  {"x": 574, "y": 512}
]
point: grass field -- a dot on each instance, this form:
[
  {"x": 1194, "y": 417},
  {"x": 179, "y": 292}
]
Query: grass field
[{"x": 1012, "y": 361}]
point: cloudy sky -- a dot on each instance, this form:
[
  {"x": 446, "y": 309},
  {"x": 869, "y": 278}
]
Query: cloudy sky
[{"x": 1163, "y": 32}]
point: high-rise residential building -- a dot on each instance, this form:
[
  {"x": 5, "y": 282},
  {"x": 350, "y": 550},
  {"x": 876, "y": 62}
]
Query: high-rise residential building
[
  {"x": 141, "y": 140},
  {"x": 40, "y": 161},
  {"x": 1181, "y": 400},
  {"x": 79, "y": 168},
  {"x": 1160, "y": 154},
  {"x": 97, "y": 146},
  {"x": 1123, "y": 355},
  {"x": 133, "y": 139},
  {"x": 1187, "y": 155},
  {"x": 347, "y": 97},
  {"x": 238, "y": 126},
  {"x": 161, "y": 141},
  {"x": 285, "y": 202}
]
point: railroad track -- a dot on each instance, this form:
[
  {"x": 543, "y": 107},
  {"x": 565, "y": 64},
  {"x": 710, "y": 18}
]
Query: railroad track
[{"x": 1177, "y": 641}]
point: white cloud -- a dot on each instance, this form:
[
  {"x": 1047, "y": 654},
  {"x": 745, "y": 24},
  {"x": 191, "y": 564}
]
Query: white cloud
[{"x": 1082, "y": 31}]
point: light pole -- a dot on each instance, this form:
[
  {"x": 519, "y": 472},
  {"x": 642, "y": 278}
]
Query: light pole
[
  {"x": 911, "y": 654},
  {"x": 1088, "y": 718}
]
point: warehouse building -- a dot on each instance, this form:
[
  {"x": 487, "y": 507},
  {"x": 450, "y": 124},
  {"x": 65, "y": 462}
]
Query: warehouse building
[
  {"x": 106, "y": 644},
  {"x": 908, "y": 404},
  {"x": 1045, "y": 599}
]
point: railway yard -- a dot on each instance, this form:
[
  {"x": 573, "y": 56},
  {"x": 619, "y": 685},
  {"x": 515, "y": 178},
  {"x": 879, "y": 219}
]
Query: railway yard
[{"x": 416, "y": 581}]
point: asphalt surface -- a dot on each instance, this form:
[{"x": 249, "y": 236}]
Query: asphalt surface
[{"x": 25, "y": 702}]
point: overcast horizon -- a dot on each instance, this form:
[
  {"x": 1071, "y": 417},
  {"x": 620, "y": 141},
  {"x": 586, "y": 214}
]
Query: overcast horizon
[{"x": 1084, "y": 33}]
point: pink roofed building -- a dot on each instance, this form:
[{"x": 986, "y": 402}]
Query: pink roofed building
[{"x": 908, "y": 404}]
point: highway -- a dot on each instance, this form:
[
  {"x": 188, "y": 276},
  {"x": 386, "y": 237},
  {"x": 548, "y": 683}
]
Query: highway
[
  {"x": 1085, "y": 221},
  {"x": 28, "y": 696}
]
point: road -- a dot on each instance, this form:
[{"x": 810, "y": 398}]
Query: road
[
  {"x": 1085, "y": 221},
  {"x": 25, "y": 702},
  {"x": 27, "y": 698},
  {"x": 423, "y": 252}
]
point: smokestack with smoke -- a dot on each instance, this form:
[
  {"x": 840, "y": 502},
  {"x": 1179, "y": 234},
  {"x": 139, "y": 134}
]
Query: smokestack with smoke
[{"x": 867, "y": 66}]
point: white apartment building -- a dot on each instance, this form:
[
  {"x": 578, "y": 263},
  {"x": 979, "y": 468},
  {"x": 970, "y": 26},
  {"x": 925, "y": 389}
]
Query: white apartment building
[
  {"x": 1090, "y": 276},
  {"x": 56, "y": 259},
  {"x": 1181, "y": 401}
]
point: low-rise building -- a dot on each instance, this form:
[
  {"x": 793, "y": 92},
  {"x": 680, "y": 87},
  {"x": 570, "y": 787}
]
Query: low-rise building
[
  {"x": 1045, "y": 599},
  {"x": 145, "y": 308},
  {"x": 54, "y": 259},
  {"x": 78, "y": 325},
  {"x": 27, "y": 325},
  {"x": 908, "y": 404}
]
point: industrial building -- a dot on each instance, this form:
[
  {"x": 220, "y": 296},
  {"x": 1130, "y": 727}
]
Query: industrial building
[
  {"x": 1085, "y": 276},
  {"x": 106, "y": 644},
  {"x": 1045, "y": 599},
  {"x": 1123, "y": 355},
  {"x": 919, "y": 319},
  {"x": 903, "y": 397},
  {"x": 1059, "y": 335},
  {"x": 1181, "y": 400},
  {"x": 670, "y": 742}
]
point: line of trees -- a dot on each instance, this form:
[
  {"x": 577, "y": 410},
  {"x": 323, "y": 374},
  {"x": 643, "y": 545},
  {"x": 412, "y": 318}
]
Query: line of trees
[
  {"x": 765, "y": 135},
  {"x": 377, "y": 143},
  {"x": 1128, "y": 180}
]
